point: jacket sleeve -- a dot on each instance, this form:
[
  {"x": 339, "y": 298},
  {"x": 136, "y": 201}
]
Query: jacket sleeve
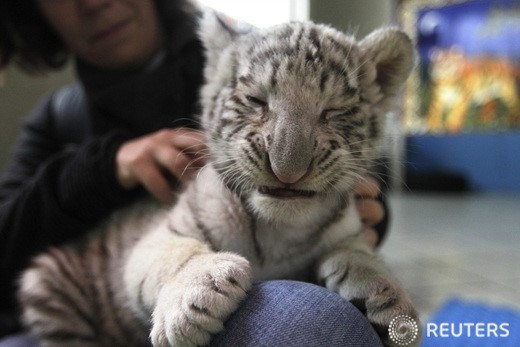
[{"x": 51, "y": 193}]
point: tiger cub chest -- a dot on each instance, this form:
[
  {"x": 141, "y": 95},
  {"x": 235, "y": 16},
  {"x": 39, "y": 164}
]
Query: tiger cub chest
[
  {"x": 290, "y": 252},
  {"x": 275, "y": 249}
]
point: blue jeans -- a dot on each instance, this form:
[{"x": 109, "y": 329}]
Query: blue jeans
[{"x": 284, "y": 313}]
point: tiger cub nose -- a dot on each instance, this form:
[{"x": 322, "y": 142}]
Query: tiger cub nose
[{"x": 290, "y": 178}]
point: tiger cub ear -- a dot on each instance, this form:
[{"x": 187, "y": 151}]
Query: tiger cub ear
[
  {"x": 218, "y": 31},
  {"x": 392, "y": 56}
]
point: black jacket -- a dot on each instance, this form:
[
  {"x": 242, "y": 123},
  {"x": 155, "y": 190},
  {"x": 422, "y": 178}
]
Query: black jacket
[{"x": 60, "y": 180}]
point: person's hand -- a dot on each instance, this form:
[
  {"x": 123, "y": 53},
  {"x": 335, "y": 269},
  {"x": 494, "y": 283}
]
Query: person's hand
[
  {"x": 151, "y": 159},
  {"x": 369, "y": 208}
]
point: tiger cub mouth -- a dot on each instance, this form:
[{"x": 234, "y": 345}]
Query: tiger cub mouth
[{"x": 285, "y": 193}]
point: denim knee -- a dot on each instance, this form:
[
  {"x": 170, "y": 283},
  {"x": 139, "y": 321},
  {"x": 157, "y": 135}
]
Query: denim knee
[
  {"x": 290, "y": 313},
  {"x": 20, "y": 340}
]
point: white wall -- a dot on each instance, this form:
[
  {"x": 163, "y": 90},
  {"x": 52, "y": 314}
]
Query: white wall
[
  {"x": 358, "y": 17},
  {"x": 261, "y": 13}
]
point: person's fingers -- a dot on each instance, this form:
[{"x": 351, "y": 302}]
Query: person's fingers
[
  {"x": 367, "y": 188},
  {"x": 128, "y": 158},
  {"x": 153, "y": 180},
  {"x": 177, "y": 152},
  {"x": 190, "y": 142},
  {"x": 183, "y": 152},
  {"x": 176, "y": 162},
  {"x": 371, "y": 237},
  {"x": 370, "y": 211}
]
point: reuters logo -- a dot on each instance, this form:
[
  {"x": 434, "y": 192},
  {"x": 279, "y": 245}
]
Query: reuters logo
[{"x": 403, "y": 330}]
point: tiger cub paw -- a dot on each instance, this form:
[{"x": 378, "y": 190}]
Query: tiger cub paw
[
  {"x": 390, "y": 311},
  {"x": 203, "y": 295},
  {"x": 381, "y": 298}
]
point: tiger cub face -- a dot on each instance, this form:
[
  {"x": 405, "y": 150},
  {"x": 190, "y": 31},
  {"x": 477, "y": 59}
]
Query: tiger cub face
[{"x": 294, "y": 113}]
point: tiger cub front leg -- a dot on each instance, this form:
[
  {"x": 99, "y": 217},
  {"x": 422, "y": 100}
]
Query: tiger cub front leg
[
  {"x": 354, "y": 272},
  {"x": 188, "y": 290}
]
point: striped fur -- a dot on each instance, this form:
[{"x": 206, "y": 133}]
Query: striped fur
[{"x": 293, "y": 116}]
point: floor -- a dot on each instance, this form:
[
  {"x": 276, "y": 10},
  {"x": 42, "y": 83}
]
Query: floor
[{"x": 468, "y": 246}]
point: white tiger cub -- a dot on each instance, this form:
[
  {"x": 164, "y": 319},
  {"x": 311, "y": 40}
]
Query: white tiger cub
[{"x": 293, "y": 115}]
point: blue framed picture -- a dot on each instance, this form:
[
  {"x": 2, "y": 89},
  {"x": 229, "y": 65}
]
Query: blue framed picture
[{"x": 468, "y": 74}]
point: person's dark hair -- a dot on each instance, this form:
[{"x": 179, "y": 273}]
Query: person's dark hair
[
  {"x": 178, "y": 17},
  {"x": 28, "y": 40}
]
